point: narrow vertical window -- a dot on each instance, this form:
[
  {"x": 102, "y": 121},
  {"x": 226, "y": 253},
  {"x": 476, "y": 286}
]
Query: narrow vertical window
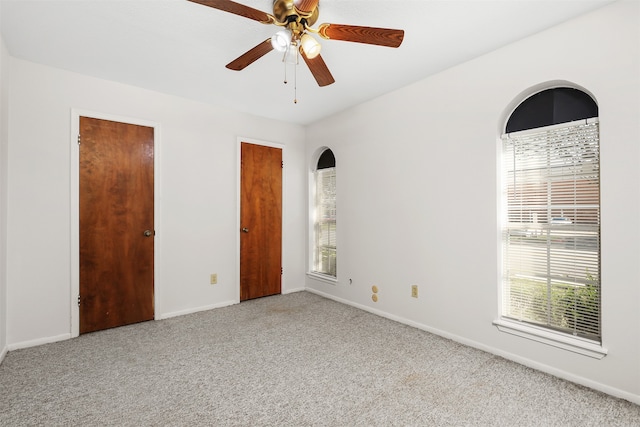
[
  {"x": 551, "y": 224},
  {"x": 324, "y": 256}
]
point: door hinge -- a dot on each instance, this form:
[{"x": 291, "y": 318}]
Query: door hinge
[
  {"x": 282, "y": 164},
  {"x": 79, "y": 139},
  {"x": 281, "y": 270},
  {"x": 78, "y": 300}
]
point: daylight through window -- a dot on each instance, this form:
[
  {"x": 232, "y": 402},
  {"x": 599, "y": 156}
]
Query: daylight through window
[
  {"x": 324, "y": 257},
  {"x": 551, "y": 229}
]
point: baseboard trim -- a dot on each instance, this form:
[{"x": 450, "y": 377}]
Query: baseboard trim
[
  {"x": 3, "y": 353},
  {"x": 195, "y": 310},
  {"x": 634, "y": 398},
  {"x": 63, "y": 337},
  {"x": 37, "y": 342},
  {"x": 294, "y": 290}
]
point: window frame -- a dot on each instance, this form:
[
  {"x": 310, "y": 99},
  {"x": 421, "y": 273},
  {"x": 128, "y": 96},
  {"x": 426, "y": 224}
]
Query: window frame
[
  {"x": 312, "y": 271},
  {"x": 526, "y": 329}
]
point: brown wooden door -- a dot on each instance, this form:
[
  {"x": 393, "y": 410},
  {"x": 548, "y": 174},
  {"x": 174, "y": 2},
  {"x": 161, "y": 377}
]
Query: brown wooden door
[
  {"x": 260, "y": 221},
  {"x": 116, "y": 208}
]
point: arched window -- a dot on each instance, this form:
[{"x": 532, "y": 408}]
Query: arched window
[
  {"x": 324, "y": 216},
  {"x": 551, "y": 224}
]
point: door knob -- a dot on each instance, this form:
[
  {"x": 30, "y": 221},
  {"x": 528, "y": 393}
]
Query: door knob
[
  {"x": 148, "y": 233},
  {"x": 245, "y": 230}
]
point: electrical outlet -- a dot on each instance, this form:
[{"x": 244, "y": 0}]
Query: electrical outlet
[
  {"x": 414, "y": 291},
  {"x": 214, "y": 278}
]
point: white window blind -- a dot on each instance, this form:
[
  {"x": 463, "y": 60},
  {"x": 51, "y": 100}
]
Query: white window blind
[
  {"x": 325, "y": 222},
  {"x": 551, "y": 232}
]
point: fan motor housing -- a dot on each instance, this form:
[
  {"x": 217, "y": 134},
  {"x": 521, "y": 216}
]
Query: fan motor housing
[{"x": 285, "y": 11}]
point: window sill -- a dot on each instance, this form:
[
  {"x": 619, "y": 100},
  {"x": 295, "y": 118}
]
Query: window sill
[
  {"x": 323, "y": 277},
  {"x": 556, "y": 339}
]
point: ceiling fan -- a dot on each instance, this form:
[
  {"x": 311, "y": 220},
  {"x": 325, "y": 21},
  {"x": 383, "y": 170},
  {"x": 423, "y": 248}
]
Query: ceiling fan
[{"x": 297, "y": 17}]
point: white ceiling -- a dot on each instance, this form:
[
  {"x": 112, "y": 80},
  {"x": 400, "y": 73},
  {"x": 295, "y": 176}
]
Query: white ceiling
[{"x": 181, "y": 48}]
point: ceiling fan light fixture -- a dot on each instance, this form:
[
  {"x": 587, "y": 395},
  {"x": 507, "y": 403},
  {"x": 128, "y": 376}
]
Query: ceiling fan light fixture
[
  {"x": 298, "y": 17},
  {"x": 281, "y": 40},
  {"x": 310, "y": 46}
]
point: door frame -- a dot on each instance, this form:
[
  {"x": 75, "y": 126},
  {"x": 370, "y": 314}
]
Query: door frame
[
  {"x": 75, "y": 208},
  {"x": 282, "y": 147}
]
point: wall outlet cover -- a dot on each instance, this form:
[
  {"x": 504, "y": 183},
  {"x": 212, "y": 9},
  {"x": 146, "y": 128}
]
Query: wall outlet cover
[{"x": 414, "y": 291}]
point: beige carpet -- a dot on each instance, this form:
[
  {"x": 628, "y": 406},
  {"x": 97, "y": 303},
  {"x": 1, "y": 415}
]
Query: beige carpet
[{"x": 290, "y": 360}]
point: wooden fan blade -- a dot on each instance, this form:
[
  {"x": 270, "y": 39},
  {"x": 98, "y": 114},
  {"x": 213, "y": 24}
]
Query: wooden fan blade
[
  {"x": 237, "y": 9},
  {"x": 369, "y": 35},
  {"x": 319, "y": 69},
  {"x": 251, "y": 56},
  {"x": 305, "y": 6}
]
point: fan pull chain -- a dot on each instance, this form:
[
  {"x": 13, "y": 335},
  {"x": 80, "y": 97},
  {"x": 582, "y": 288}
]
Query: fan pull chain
[
  {"x": 295, "y": 71},
  {"x": 284, "y": 61},
  {"x": 295, "y": 80}
]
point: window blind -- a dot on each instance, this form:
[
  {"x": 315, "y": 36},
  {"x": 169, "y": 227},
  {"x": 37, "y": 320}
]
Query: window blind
[
  {"x": 325, "y": 222},
  {"x": 551, "y": 232}
]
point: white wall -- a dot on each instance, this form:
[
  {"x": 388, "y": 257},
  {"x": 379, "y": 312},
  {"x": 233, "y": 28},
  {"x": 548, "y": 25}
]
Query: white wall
[
  {"x": 197, "y": 216},
  {"x": 4, "y": 114},
  {"x": 418, "y": 193}
]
